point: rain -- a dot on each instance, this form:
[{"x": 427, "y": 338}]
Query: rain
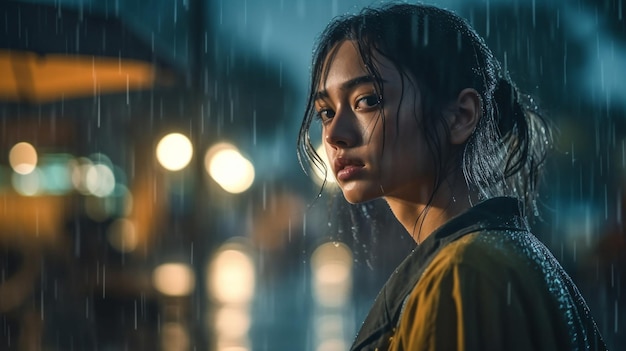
[{"x": 151, "y": 197}]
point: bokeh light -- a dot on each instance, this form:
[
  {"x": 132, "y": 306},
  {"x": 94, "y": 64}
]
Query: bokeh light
[
  {"x": 174, "y": 151},
  {"x": 122, "y": 235},
  {"x": 23, "y": 158},
  {"x": 79, "y": 168},
  {"x": 174, "y": 279},
  {"x": 332, "y": 345},
  {"x": 100, "y": 180},
  {"x": 328, "y": 325},
  {"x": 231, "y": 276},
  {"x": 28, "y": 184},
  {"x": 93, "y": 176},
  {"x": 232, "y": 348},
  {"x": 225, "y": 164},
  {"x": 332, "y": 274},
  {"x": 232, "y": 322},
  {"x": 56, "y": 173}
]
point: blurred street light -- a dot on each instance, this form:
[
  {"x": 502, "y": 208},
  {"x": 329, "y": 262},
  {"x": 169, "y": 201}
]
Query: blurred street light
[
  {"x": 332, "y": 274},
  {"x": 229, "y": 168},
  {"x": 231, "y": 276},
  {"x": 174, "y": 151},
  {"x": 174, "y": 279},
  {"x": 23, "y": 158}
]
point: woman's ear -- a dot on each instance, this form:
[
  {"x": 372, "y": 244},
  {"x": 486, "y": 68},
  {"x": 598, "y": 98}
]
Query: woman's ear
[{"x": 464, "y": 116}]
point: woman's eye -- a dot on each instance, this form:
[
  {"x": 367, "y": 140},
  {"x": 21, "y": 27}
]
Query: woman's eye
[
  {"x": 325, "y": 114},
  {"x": 368, "y": 101}
]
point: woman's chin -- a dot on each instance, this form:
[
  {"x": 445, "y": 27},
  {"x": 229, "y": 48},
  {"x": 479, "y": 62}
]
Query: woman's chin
[{"x": 354, "y": 196}]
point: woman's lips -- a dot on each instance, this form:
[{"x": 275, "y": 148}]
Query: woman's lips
[
  {"x": 347, "y": 169},
  {"x": 349, "y": 172}
]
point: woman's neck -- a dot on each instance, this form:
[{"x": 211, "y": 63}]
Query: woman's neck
[{"x": 451, "y": 199}]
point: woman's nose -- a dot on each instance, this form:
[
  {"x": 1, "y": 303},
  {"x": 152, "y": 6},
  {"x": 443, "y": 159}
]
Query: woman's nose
[{"x": 342, "y": 131}]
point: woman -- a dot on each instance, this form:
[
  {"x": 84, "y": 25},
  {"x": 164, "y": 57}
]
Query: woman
[{"x": 415, "y": 109}]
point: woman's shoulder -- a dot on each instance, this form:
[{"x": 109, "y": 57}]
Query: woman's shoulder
[
  {"x": 504, "y": 279},
  {"x": 495, "y": 255}
]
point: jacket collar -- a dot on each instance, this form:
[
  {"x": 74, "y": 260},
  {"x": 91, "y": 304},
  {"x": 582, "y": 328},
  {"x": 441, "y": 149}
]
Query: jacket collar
[{"x": 497, "y": 213}]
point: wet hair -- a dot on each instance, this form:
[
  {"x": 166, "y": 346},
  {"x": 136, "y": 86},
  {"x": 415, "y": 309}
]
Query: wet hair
[{"x": 442, "y": 54}]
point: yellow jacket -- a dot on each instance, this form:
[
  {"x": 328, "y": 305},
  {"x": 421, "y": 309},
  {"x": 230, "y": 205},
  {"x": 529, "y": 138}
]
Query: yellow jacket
[{"x": 480, "y": 282}]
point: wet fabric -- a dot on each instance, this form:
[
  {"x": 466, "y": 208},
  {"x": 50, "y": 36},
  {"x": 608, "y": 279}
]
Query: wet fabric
[{"x": 480, "y": 282}]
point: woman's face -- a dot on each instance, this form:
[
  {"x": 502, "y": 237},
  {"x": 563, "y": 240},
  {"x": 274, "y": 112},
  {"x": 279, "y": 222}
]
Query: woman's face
[{"x": 371, "y": 156}]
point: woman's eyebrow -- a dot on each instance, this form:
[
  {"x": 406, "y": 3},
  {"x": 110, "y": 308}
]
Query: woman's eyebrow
[{"x": 347, "y": 85}]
